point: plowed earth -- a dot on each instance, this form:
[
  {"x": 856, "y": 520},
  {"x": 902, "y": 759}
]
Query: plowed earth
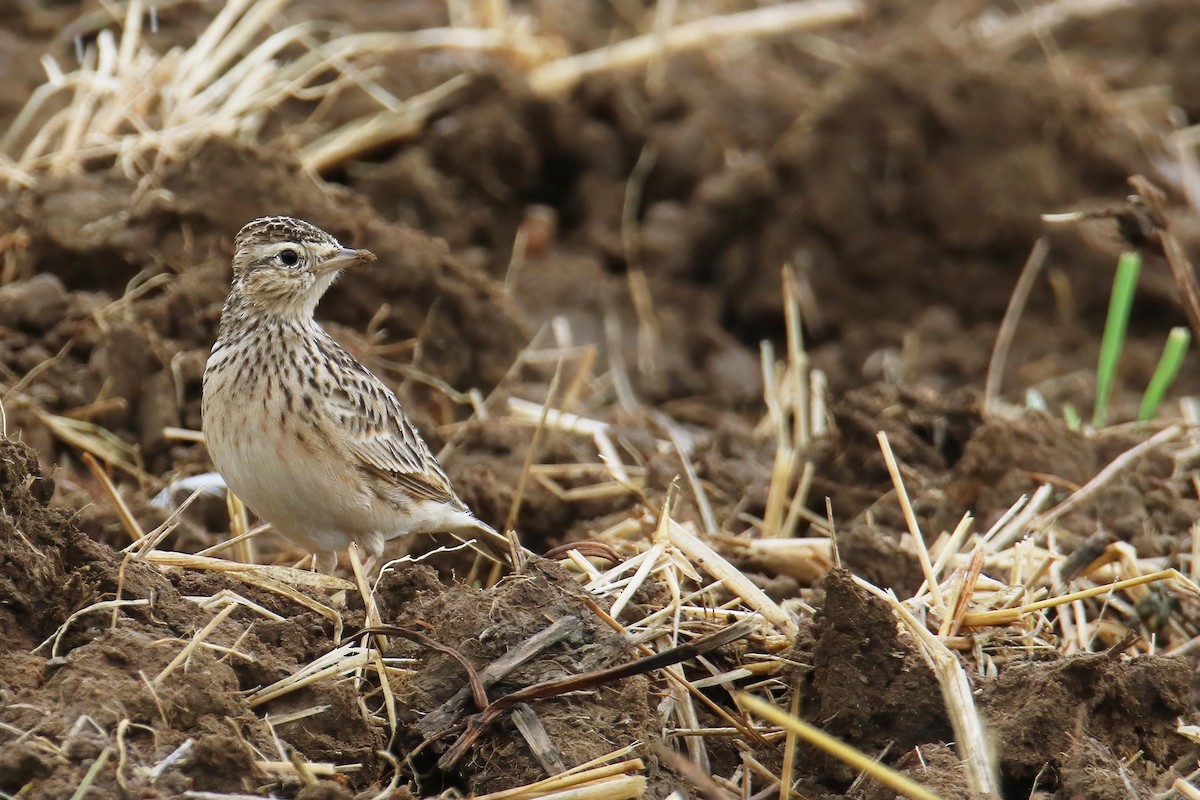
[{"x": 899, "y": 164}]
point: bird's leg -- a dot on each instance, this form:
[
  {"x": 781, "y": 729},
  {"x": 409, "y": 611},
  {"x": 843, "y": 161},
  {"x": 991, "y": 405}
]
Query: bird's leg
[
  {"x": 325, "y": 561},
  {"x": 372, "y": 564}
]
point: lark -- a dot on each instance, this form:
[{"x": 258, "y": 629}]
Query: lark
[{"x": 309, "y": 439}]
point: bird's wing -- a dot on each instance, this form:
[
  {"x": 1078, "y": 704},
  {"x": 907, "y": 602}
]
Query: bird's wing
[{"x": 375, "y": 431}]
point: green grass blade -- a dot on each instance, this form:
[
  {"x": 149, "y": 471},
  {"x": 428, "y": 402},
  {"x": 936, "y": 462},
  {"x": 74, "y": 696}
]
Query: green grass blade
[
  {"x": 1164, "y": 374},
  {"x": 1114, "y": 332},
  {"x": 1071, "y": 417}
]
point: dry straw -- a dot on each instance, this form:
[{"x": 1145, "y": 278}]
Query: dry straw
[{"x": 127, "y": 101}]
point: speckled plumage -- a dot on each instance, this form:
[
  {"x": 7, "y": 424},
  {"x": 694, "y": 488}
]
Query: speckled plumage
[{"x": 306, "y": 436}]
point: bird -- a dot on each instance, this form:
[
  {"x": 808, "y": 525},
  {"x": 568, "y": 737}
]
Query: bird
[{"x": 307, "y": 437}]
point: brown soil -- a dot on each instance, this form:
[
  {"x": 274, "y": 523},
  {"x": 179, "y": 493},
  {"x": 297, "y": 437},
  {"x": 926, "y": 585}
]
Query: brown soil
[{"x": 898, "y": 164}]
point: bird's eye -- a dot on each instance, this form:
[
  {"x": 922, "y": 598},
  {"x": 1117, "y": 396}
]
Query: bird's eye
[{"x": 289, "y": 257}]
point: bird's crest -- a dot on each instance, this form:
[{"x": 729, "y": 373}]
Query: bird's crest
[{"x": 268, "y": 230}]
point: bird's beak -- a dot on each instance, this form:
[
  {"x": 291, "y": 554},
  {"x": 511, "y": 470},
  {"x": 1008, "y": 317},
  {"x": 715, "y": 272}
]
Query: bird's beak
[{"x": 344, "y": 259}]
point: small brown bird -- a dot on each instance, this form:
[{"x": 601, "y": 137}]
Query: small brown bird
[{"x": 306, "y": 436}]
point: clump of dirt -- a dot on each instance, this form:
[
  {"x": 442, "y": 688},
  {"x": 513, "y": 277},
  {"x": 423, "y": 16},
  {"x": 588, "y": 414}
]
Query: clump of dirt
[
  {"x": 956, "y": 461},
  {"x": 868, "y": 686},
  {"x": 484, "y": 625},
  {"x": 30, "y": 576},
  {"x": 74, "y": 674},
  {"x": 928, "y": 432},
  {"x": 915, "y": 105},
  {"x": 1089, "y": 719},
  {"x": 1117, "y": 46},
  {"x": 936, "y": 767},
  {"x": 1146, "y": 504}
]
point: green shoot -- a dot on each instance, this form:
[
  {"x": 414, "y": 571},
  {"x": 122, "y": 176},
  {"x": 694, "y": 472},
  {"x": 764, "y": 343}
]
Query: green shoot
[
  {"x": 1114, "y": 332},
  {"x": 1071, "y": 417},
  {"x": 1164, "y": 374}
]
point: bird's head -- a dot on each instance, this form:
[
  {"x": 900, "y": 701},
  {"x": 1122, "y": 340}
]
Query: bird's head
[{"x": 283, "y": 265}]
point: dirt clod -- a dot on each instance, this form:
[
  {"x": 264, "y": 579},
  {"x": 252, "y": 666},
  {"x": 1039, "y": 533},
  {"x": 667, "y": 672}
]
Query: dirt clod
[{"x": 869, "y": 686}]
